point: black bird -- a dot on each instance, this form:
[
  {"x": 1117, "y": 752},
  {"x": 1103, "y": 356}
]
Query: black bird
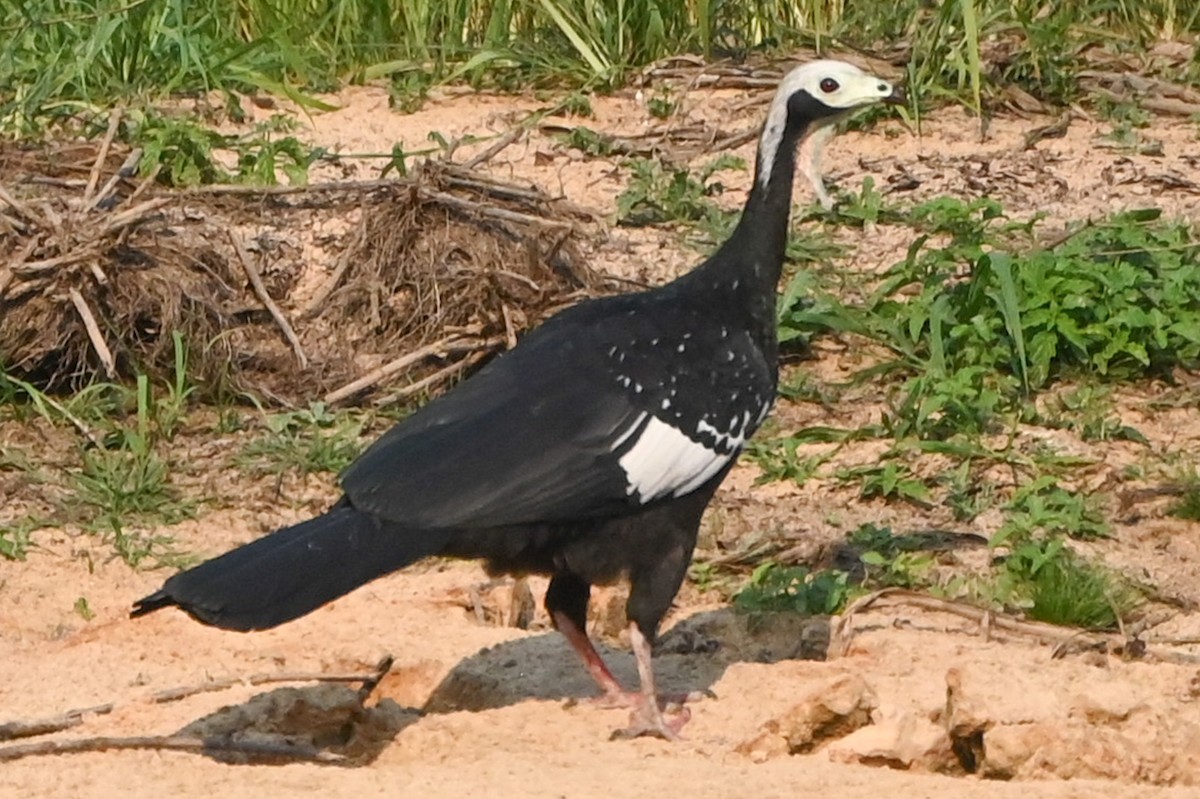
[{"x": 587, "y": 453}]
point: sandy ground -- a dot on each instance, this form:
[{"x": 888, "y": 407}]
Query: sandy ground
[{"x": 905, "y": 702}]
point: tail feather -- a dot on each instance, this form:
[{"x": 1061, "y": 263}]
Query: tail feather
[{"x": 292, "y": 571}]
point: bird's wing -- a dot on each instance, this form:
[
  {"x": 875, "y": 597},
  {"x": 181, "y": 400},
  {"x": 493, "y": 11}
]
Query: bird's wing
[{"x": 548, "y": 432}]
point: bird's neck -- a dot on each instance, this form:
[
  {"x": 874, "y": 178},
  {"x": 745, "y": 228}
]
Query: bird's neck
[{"x": 745, "y": 271}]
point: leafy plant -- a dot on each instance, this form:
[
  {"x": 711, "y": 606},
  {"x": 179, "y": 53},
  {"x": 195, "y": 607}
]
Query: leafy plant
[
  {"x": 185, "y": 152},
  {"x": 1042, "y": 507},
  {"x": 793, "y": 589},
  {"x": 307, "y": 441},
  {"x": 984, "y": 329},
  {"x": 658, "y": 193},
  {"x": 889, "y": 480},
  {"x": 1055, "y": 585}
]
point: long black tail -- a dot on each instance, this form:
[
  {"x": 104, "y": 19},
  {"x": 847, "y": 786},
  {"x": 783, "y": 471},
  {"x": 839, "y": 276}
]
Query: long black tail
[{"x": 292, "y": 571}]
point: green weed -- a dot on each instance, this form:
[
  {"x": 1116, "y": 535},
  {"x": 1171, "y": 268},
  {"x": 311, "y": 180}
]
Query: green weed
[
  {"x": 1052, "y": 584},
  {"x": 793, "y": 589},
  {"x": 1043, "y": 508},
  {"x": 1120, "y": 299},
  {"x": 658, "y": 194},
  {"x": 307, "y": 441},
  {"x": 185, "y": 152}
]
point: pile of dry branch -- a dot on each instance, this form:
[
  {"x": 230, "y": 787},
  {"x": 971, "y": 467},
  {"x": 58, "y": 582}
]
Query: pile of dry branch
[{"x": 292, "y": 293}]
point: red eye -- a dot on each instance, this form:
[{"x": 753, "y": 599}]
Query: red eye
[{"x": 829, "y": 85}]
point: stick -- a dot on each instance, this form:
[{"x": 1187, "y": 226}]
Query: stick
[
  {"x": 135, "y": 214},
  {"x": 487, "y": 210},
  {"x": 114, "y": 120},
  {"x": 177, "y": 743},
  {"x": 1040, "y": 631},
  {"x": 495, "y": 147},
  {"x": 93, "y": 332},
  {"x": 311, "y": 188},
  {"x": 440, "y": 375},
  {"x": 260, "y": 291},
  {"x": 21, "y": 208},
  {"x": 126, "y": 170},
  {"x": 183, "y": 692},
  {"x": 28, "y": 729},
  {"x": 318, "y": 300},
  {"x": 453, "y": 343}
]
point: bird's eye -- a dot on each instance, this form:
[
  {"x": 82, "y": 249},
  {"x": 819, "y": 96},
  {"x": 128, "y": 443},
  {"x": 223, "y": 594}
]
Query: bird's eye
[{"x": 829, "y": 85}]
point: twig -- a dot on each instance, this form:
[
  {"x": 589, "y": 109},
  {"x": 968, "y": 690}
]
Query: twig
[
  {"x": 495, "y": 147},
  {"x": 488, "y": 210},
  {"x": 183, "y": 692},
  {"x": 260, "y": 290},
  {"x": 178, "y": 743},
  {"x": 441, "y": 374},
  {"x": 93, "y": 332},
  {"x": 510, "y": 333},
  {"x": 28, "y": 729},
  {"x": 114, "y": 121},
  {"x": 126, "y": 170},
  {"x": 1040, "y": 631},
  {"x": 317, "y": 303},
  {"x": 452, "y": 343},
  {"x": 33, "y": 268},
  {"x": 311, "y": 188},
  {"x": 21, "y": 208},
  {"x": 372, "y": 682},
  {"x": 135, "y": 214}
]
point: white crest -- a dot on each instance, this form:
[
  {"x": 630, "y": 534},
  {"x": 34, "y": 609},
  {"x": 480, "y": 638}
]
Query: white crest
[{"x": 835, "y": 84}]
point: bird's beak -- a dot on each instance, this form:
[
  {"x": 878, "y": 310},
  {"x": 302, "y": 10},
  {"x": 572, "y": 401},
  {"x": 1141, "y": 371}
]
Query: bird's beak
[{"x": 897, "y": 97}]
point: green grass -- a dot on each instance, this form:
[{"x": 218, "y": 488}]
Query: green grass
[
  {"x": 120, "y": 486},
  {"x": 1042, "y": 579},
  {"x": 63, "y": 59},
  {"x": 310, "y": 441},
  {"x": 977, "y": 326}
]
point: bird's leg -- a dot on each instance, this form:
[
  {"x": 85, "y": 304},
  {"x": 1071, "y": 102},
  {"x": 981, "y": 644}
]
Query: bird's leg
[
  {"x": 648, "y": 718},
  {"x": 595, "y": 665},
  {"x": 567, "y": 601}
]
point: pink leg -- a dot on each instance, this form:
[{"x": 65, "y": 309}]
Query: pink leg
[
  {"x": 647, "y": 717},
  {"x": 592, "y": 661}
]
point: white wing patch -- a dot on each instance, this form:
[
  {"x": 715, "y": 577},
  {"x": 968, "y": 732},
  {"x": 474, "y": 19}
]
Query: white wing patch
[{"x": 664, "y": 460}]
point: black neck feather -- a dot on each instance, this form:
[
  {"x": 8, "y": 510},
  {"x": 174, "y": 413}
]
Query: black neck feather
[{"x": 742, "y": 276}]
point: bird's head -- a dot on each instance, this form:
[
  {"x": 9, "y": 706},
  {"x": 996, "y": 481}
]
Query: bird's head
[{"x": 814, "y": 95}]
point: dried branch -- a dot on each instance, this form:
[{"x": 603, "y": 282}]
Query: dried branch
[
  {"x": 21, "y": 208},
  {"x": 93, "y": 332},
  {"x": 28, "y": 729},
  {"x": 309, "y": 188},
  {"x": 127, "y": 170},
  {"x": 183, "y": 692},
  {"x": 177, "y": 743},
  {"x": 445, "y": 346},
  {"x": 260, "y": 291},
  {"x": 1039, "y": 631},
  {"x": 481, "y": 209},
  {"x": 495, "y": 147},
  {"x": 114, "y": 122},
  {"x": 441, "y": 375}
]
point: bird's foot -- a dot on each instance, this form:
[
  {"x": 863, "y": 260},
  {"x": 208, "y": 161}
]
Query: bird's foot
[
  {"x": 647, "y": 720},
  {"x": 633, "y": 699}
]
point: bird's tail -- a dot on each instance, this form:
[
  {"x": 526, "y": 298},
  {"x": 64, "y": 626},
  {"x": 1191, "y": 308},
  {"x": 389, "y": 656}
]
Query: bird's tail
[{"x": 292, "y": 571}]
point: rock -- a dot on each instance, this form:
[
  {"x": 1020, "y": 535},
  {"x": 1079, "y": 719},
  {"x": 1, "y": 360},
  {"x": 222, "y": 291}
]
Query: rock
[
  {"x": 828, "y": 711},
  {"x": 909, "y": 742},
  {"x": 1103, "y": 732}
]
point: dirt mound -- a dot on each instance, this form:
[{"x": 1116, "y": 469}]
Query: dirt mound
[{"x": 101, "y": 271}]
